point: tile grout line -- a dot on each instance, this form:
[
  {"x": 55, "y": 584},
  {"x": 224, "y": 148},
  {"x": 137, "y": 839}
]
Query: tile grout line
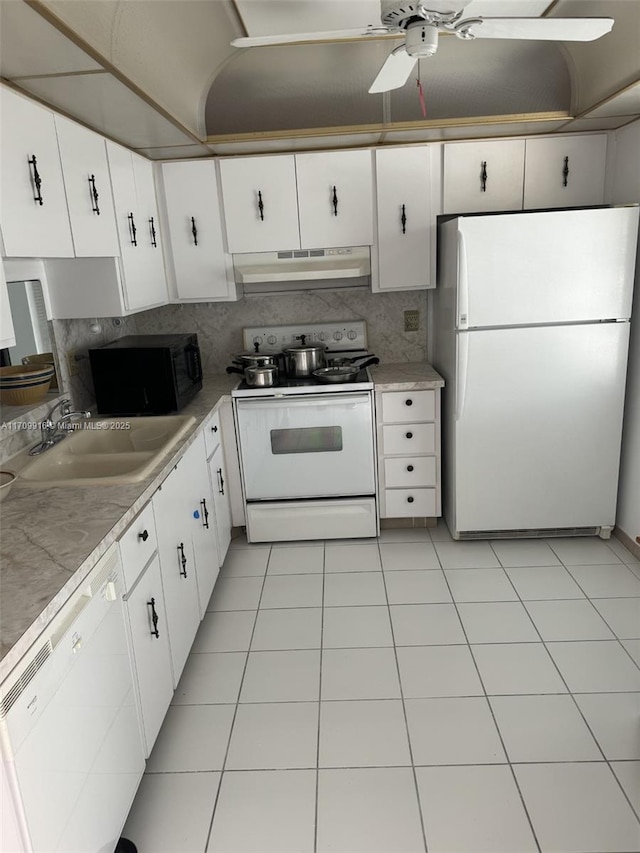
[
  {"x": 317, "y": 797},
  {"x": 404, "y": 709},
  {"x": 235, "y": 713}
]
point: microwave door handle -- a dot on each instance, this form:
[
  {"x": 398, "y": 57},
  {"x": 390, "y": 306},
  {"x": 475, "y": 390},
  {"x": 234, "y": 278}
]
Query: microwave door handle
[{"x": 194, "y": 368}]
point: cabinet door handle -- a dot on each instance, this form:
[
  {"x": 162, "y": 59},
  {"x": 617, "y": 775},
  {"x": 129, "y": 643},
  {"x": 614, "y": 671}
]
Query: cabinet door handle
[
  {"x": 220, "y": 481},
  {"x": 403, "y": 219},
  {"x": 409, "y": 435},
  {"x": 334, "y": 202},
  {"x": 409, "y": 468},
  {"x": 154, "y": 618},
  {"x": 37, "y": 180},
  {"x": 183, "y": 560},
  {"x": 205, "y": 513},
  {"x": 132, "y": 230},
  {"x": 483, "y": 177},
  {"x": 565, "y": 172},
  {"x": 152, "y": 231},
  {"x": 94, "y": 195},
  {"x": 144, "y": 535},
  {"x": 260, "y": 205},
  {"x": 194, "y": 231},
  {"x": 214, "y": 428}
]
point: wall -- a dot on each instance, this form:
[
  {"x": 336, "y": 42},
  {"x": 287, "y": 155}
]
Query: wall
[
  {"x": 625, "y": 188},
  {"x": 219, "y": 325}
]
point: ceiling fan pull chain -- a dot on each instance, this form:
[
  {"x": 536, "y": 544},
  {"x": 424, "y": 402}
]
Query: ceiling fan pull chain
[
  {"x": 403, "y": 219},
  {"x": 334, "y": 202},
  {"x": 423, "y": 106},
  {"x": 260, "y": 205},
  {"x": 565, "y": 172},
  {"x": 483, "y": 177}
]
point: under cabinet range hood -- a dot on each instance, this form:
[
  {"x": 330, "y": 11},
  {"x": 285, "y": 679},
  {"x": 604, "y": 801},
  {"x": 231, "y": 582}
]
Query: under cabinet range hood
[{"x": 303, "y": 269}]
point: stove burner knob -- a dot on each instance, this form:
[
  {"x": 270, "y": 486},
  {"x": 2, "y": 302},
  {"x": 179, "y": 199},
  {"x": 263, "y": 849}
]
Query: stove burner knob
[
  {"x": 271, "y": 340},
  {"x": 257, "y": 340},
  {"x": 337, "y": 336},
  {"x": 352, "y": 334},
  {"x": 321, "y": 336}
]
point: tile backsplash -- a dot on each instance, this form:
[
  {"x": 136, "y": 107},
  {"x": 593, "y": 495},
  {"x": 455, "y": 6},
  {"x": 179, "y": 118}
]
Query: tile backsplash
[{"x": 219, "y": 324}]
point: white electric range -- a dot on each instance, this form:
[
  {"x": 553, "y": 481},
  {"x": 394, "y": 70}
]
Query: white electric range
[{"x": 307, "y": 449}]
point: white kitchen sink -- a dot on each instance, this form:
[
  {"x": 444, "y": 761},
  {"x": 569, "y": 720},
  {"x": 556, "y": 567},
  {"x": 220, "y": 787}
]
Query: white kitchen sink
[{"x": 106, "y": 451}]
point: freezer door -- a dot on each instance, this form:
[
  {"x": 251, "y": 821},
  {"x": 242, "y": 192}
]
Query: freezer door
[
  {"x": 547, "y": 267},
  {"x": 537, "y": 427}
]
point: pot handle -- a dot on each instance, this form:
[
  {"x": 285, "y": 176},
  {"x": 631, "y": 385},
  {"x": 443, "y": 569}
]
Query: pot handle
[
  {"x": 235, "y": 370},
  {"x": 369, "y": 362}
]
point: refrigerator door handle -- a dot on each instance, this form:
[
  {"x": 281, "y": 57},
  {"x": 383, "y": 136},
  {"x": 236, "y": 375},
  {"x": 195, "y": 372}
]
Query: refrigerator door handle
[
  {"x": 463, "y": 283},
  {"x": 463, "y": 365}
]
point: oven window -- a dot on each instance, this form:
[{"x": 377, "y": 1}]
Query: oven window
[{"x": 306, "y": 440}]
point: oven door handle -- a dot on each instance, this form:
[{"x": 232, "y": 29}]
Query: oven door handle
[{"x": 287, "y": 401}]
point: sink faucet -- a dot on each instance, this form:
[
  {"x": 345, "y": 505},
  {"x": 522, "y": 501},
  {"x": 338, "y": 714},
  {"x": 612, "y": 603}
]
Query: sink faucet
[{"x": 53, "y": 431}]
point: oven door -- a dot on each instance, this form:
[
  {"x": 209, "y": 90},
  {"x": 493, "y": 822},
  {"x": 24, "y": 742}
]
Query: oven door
[{"x": 307, "y": 447}]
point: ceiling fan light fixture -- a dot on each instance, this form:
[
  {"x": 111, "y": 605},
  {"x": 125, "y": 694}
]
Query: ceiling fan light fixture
[
  {"x": 463, "y": 28},
  {"x": 422, "y": 40}
]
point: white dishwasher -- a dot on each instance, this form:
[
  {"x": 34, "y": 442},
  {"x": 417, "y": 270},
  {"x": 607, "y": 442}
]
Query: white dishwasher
[{"x": 69, "y": 734}]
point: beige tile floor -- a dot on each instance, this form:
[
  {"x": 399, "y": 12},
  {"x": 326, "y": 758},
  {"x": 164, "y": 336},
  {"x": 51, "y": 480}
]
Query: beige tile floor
[{"x": 406, "y": 695}]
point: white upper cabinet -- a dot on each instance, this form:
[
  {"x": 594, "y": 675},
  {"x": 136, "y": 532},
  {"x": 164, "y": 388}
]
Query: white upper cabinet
[
  {"x": 565, "y": 171},
  {"x": 335, "y": 198},
  {"x": 260, "y": 203},
  {"x": 88, "y": 187},
  {"x": 483, "y": 176},
  {"x": 136, "y": 208},
  {"x": 33, "y": 205},
  {"x": 201, "y": 269},
  {"x": 7, "y": 334},
  {"x": 407, "y": 210}
]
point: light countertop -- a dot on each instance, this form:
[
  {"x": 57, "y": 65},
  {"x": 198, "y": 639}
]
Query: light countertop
[{"x": 50, "y": 538}]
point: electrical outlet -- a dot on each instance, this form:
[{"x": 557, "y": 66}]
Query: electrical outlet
[
  {"x": 411, "y": 321},
  {"x": 72, "y": 364}
]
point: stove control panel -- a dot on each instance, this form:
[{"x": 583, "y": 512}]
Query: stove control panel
[{"x": 348, "y": 335}]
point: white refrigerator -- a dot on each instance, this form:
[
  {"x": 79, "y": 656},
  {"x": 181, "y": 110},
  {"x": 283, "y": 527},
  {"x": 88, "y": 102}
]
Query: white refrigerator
[{"x": 532, "y": 316}]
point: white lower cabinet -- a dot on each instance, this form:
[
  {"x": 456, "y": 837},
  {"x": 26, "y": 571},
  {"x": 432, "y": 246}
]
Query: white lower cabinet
[
  {"x": 220, "y": 488},
  {"x": 202, "y": 524},
  {"x": 171, "y": 508},
  {"x": 146, "y": 624},
  {"x": 408, "y": 426}
]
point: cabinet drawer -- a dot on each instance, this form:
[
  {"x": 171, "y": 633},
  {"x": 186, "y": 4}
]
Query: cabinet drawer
[
  {"x": 410, "y": 471},
  {"x": 409, "y": 439},
  {"x": 212, "y": 434},
  {"x": 405, "y": 406},
  {"x": 137, "y": 546},
  {"x": 405, "y": 503}
]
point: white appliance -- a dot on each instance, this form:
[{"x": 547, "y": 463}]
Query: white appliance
[
  {"x": 307, "y": 450},
  {"x": 69, "y": 734},
  {"x": 531, "y": 323}
]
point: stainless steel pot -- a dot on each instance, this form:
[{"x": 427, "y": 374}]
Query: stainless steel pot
[
  {"x": 258, "y": 376},
  {"x": 256, "y": 359},
  {"x": 342, "y": 374},
  {"x": 304, "y": 359}
]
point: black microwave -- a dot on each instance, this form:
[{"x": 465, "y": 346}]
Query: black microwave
[{"x": 146, "y": 374}]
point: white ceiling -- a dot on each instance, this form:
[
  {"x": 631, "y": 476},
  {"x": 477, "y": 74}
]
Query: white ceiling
[{"x": 140, "y": 71}]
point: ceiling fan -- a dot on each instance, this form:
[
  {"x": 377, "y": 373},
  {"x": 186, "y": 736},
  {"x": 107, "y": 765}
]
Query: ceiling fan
[{"x": 423, "y": 21}]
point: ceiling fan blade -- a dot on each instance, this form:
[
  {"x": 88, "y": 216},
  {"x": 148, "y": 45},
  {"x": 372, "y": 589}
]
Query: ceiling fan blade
[
  {"x": 302, "y": 38},
  {"x": 553, "y": 29},
  {"x": 395, "y": 71}
]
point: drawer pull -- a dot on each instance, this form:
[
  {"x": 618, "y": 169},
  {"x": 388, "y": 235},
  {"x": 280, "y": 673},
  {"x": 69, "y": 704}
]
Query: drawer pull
[
  {"x": 408, "y": 402},
  {"x": 144, "y": 535},
  {"x": 410, "y": 499},
  {"x": 409, "y": 435},
  {"x": 409, "y": 468}
]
